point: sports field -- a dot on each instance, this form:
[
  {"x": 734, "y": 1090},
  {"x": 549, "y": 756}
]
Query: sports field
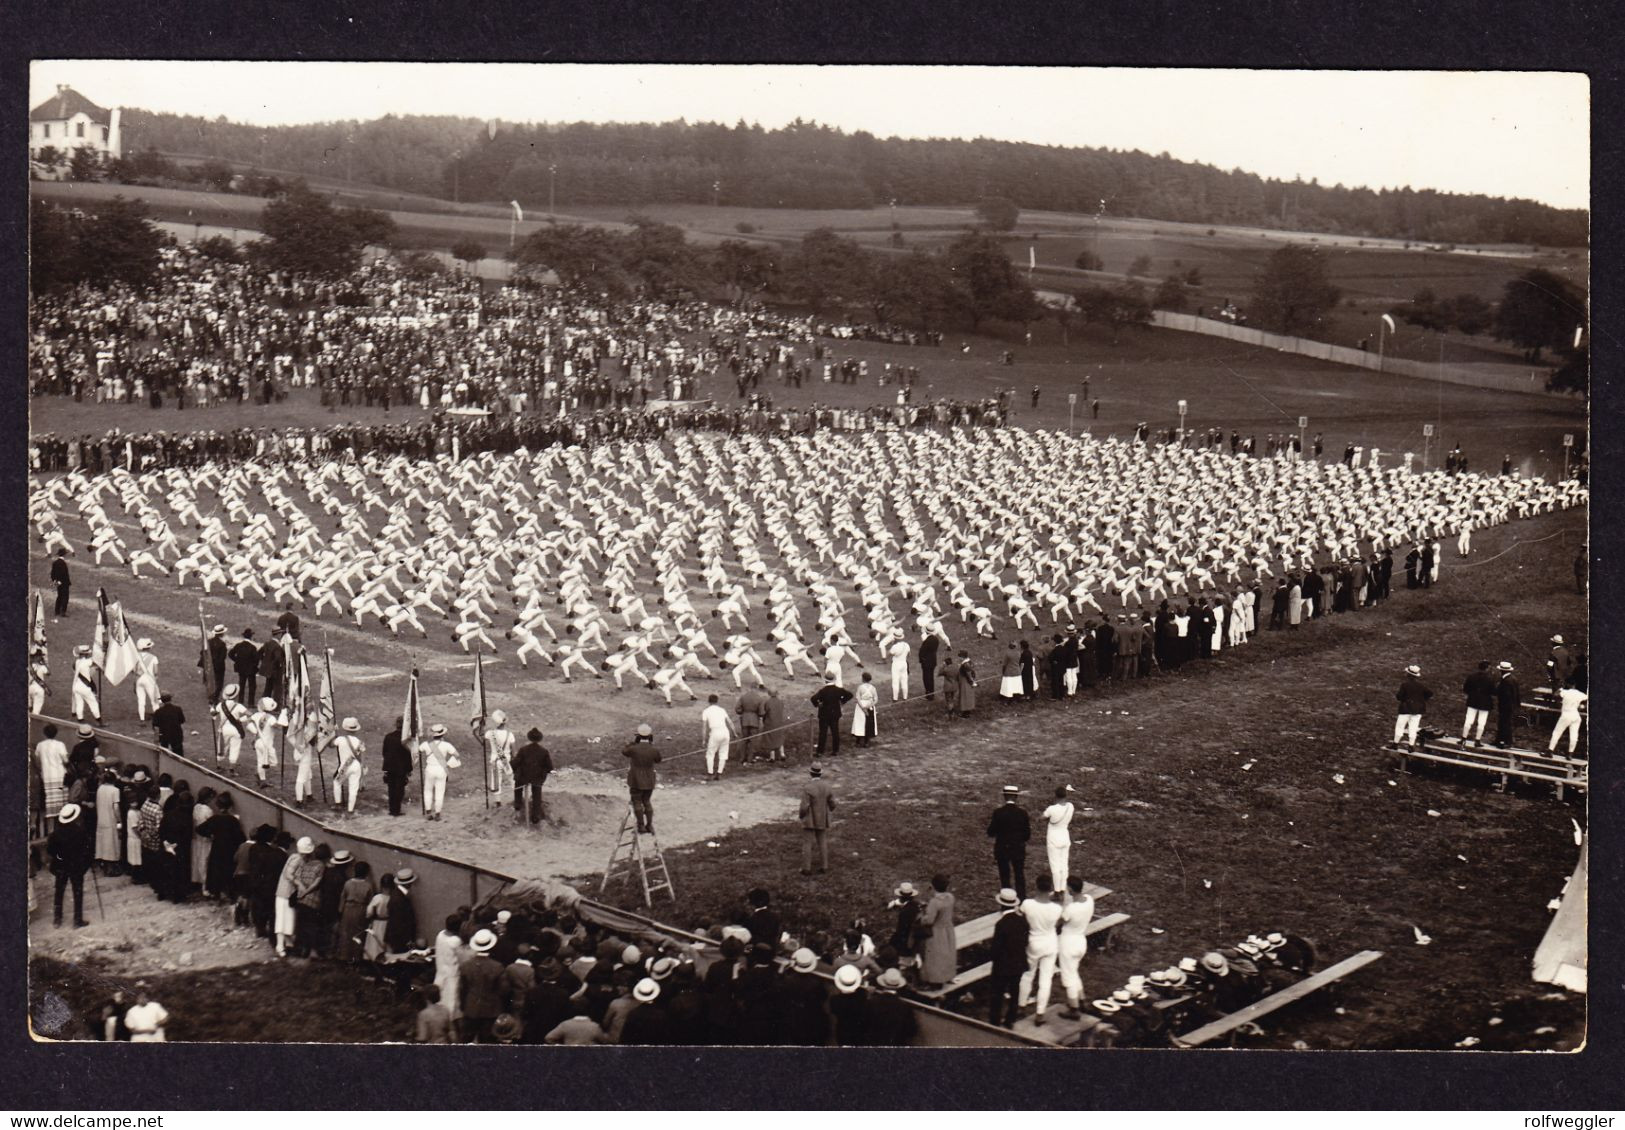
[{"x": 1171, "y": 807}]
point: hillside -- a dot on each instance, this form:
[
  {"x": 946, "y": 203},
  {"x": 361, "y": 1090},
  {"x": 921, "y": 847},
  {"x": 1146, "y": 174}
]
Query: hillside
[{"x": 807, "y": 165}]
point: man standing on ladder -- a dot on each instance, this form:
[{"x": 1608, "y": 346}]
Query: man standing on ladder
[{"x": 640, "y": 778}]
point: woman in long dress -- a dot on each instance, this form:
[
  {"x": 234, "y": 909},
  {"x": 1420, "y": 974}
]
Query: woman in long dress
[
  {"x": 108, "y": 824},
  {"x": 866, "y": 708},
  {"x": 939, "y": 961},
  {"x": 965, "y": 686},
  {"x": 202, "y": 812},
  {"x": 1010, "y": 676},
  {"x": 354, "y": 897},
  {"x": 448, "y": 955},
  {"x": 372, "y": 945}
]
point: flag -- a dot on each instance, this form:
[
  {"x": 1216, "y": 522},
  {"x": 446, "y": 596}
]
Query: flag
[
  {"x": 1032, "y": 257},
  {"x": 122, "y": 654},
  {"x": 322, "y": 730},
  {"x": 294, "y": 714},
  {"x": 476, "y": 721},
  {"x": 203, "y": 660},
  {"x": 518, "y": 212},
  {"x": 36, "y": 624},
  {"x": 98, "y": 645},
  {"x": 1388, "y": 320},
  {"x": 1579, "y": 331},
  {"x": 412, "y": 715}
]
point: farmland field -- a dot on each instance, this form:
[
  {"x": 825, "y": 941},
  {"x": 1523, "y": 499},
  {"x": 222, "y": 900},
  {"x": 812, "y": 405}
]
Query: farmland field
[{"x": 1374, "y": 274}]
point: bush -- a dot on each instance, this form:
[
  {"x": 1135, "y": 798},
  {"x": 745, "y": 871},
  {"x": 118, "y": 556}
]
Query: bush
[
  {"x": 745, "y": 227},
  {"x": 1088, "y": 261},
  {"x": 219, "y": 247}
]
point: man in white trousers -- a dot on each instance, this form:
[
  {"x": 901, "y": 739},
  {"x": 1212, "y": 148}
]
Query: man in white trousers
[
  {"x": 85, "y": 700},
  {"x": 146, "y": 680},
  {"x": 1568, "y": 718},
  {"x": 439, "y": 758},
  {"x": 347, "y": 777},
  {"x": 1058, "y": 836},
  {"x": 1042, "y": 913},
  {"x": 717, "y": 730},
  {"x": 898, "y": 651},
  {"x": 1077, "y": 909}
]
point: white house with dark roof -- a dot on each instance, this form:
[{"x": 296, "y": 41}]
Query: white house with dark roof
[{"x": 68, "y": 120}]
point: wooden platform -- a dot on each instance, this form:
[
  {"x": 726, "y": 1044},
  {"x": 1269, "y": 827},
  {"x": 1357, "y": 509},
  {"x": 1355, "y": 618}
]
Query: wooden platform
[
  {"x": 1226, "y": 1024},
  {"x": 1558, "y": 769}
]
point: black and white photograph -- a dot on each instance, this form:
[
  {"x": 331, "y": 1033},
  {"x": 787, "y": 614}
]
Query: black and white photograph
[{"x": 701, "y": 556}]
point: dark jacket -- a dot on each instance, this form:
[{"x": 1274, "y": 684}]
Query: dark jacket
[
  {"x": 169, "y": 720},
  {"x": 1507, "y": 695},
  {"x": 401, "y": 930},
  {"x": 245, "y": 657},
  {"x": 289, "y": 622},
  {"x": 645, "y": 756},
  {"x": 928, "y": 652},
  {"x": 69, "y": 848},
  {"x": 59, "y": 573},
  {"x": 531, "y": 764},
  {"x": 1010, "y": 945},
  {"x": 480, "y": 984},
  {"x": 1412, "y": 695},
  {"x": 397, "y": 758},
  {"x": 1480, "y": 690},
  {"x": 1010, "y": 826},
  {"x": 829, "y": 699},
  {"x": 273, "y": 663},
  {"x": 891, "y": 1022}
]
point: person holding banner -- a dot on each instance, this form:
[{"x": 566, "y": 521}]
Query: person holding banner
[
  {"x": 85, "y": 699},
  {"x": 37, "y": 690},
  {"x": 233, "y": 719},
  {"x": 439, "y": 758},
  {"x": 264, "y": 723},
  {"x": 397, "y": 768},
  {"x": 348, "y": 745},
  {"x": 146, "y": 680}
]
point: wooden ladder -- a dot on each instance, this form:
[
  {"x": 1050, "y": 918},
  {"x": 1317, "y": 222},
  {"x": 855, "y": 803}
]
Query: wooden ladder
[{"x": 650, "y": 866}]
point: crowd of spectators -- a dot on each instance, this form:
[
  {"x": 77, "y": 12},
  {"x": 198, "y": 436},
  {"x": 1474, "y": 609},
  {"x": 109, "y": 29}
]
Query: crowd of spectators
[{"x": 210, "y": 330}]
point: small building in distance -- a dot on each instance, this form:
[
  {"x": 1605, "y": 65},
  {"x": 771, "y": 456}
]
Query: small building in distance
[{"x": 67, "y": 121}]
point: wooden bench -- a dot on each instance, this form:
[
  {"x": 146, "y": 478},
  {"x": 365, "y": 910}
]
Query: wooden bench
[
  {"x": 1269, "y": 1004},
  {"x": 976, "y": 930},
  {"x": 1529, "y": 764},
  {"x": 982, "y": 972}
]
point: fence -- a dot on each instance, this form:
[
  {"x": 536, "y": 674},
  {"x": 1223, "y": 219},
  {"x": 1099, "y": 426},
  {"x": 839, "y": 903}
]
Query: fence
[
  {"x": 443, "y": 885},
  {"x": 1476, "y": 376}
]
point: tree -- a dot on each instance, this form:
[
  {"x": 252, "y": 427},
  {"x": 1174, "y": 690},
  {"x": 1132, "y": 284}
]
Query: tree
[
  {"x": 581, "y": 257},
  {"x": 1140, "y": 268},
  {"x": 744, "y": 268},
  {"x": 468, "y": 251},
  {"x": 918, "y": 286},
  {"x": 304, "y": 233},
  {"x": 50, "y": 157},
  {"x": 1117, "y": 306},
  {"x": 828, "y": 270},
  {"x": 218, "y": 247},
  {"x": 418, "y": 264},
  {"x": 116, "y": 244},
  {"x": 1471, "y": 314},
  {"x": 85, "y": 164},
  {"x": 1538, "y": 311},
  {"x": 369, "y": 226},
  {"x": 1575, "y": 374},
  {"x": 1292, "y": 294},
  {"x": 659, "y": 257},
  {"x": 216, "y": 174},
  {"x": 988, "y": 282},
  {"x": 999, "y": 213},
  {"x": 1170, "y": 295}
]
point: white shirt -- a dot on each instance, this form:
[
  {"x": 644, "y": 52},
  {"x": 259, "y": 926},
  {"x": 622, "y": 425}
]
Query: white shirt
[
  {"x": 1075, "y": 917},
  {"x": 1572, "y": 698},
  {"x": 1059, "y": 816},
  {"x": 1042, "y": 918},
  {"x": 145, "y": 1022},
  {"x": 715, "y": 721}
]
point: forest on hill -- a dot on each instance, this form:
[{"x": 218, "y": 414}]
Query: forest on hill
[{"x": 808, "y": 165}]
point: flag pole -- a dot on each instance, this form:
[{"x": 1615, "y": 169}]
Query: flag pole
[
  {"x": 321, "y": 766},
  {"x": 101, "y": 687},
  {"x": 485, "y": 746},
  {"x": 412, "y": 703},
  {"x": 208, "y": 695}
]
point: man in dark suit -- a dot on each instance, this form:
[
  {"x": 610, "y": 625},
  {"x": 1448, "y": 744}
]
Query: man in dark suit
[
  {"x": 1105, "y": 648},
  {"x": 1010, "y": 829},
  {"x": 817, "y": 805},
  {"x": 273, "y": 667},
  {"x": 829, "y": 699},
  {"x": 62, "y": 580},
  {"x": 928, "y": 663},
  {"x": 1508, "y": 697},
  {"x": 69, "y": 850},
  {"x": 531, "y": 766},
  {"x": 214, "y": 653},
  {"x": 762, "y": 921},
  {"x": 289, "y": 621},
  {"x": 1009, "y": 960},
  {"x": 1560, "y": 665},
  {"x": 640, "y": 778},
  {"x": 1480, "y": 691},
  {"x": 397, "y": 767},
  {"x": 245, "y": 660},
  {"x": 170, "y": 723}
]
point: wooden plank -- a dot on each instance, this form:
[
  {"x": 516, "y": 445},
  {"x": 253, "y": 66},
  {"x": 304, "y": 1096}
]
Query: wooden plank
[
  {"x": 1535, "y": 765},
  {"x": 981, "y": 972},
  {"x": 1277, "y": 1000},
  {"x": 974, "y": 930}
]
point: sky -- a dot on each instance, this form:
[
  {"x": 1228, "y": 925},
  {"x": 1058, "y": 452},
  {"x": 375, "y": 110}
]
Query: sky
[{"x": 1515, "y": 134}]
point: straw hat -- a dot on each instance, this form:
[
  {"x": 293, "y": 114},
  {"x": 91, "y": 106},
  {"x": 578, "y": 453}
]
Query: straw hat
[
  {"x": 1008, "y": 897},
  {"x": 305, "y": 846},
  {"x": 646, "y": 990},
  {"x": 267, "y": 704},
  {"x": 437, "y": 731},
  {"x": 804, "y": 960},
  {"x": 483, "y": 941},
  {"x": 405, "y": 877},
  {"x": 69, "y": 813},
  {"x": 350, "y": 725},
  {"x": 847, "y": 978}
]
